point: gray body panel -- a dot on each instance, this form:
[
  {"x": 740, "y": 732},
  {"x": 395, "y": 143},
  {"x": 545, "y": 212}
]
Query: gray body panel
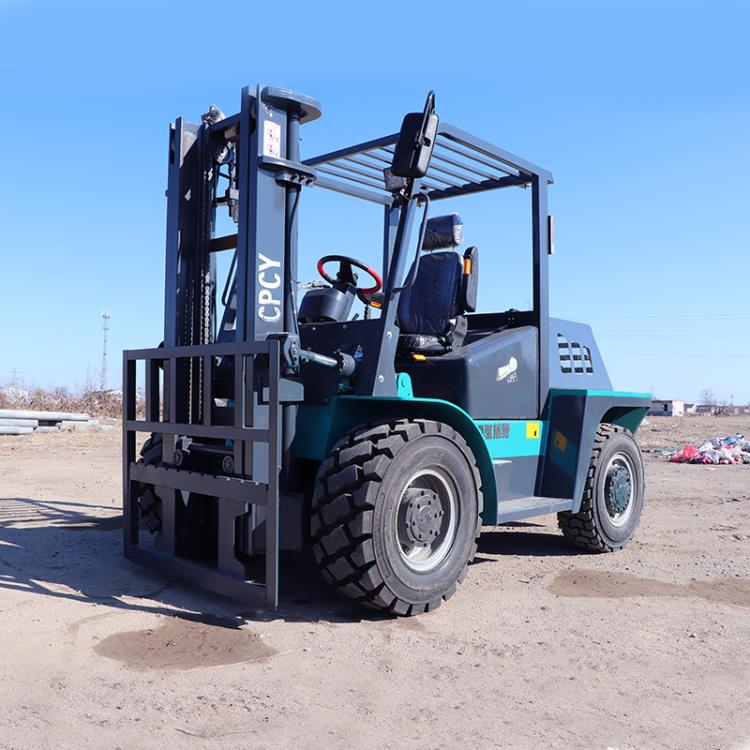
[
  {"x": 492, "y": 376},
  {"x": 574, "y": 357},
  {"x": 516, "y": 476}
]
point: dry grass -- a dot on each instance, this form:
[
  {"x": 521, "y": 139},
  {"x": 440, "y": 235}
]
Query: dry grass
[{"x": 92, "y": 402}]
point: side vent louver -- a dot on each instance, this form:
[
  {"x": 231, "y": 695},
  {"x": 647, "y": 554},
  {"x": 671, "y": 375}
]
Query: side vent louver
[{"x": 574, "y": 358}]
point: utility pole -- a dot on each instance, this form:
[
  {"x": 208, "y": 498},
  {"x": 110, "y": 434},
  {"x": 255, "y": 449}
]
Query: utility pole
[{"x": 105, "y": 328}]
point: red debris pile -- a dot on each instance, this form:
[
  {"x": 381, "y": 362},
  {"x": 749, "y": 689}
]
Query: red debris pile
[{"x": 730, "y": 450}]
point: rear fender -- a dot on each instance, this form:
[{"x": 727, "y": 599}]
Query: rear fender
[{"x": 574, "y": 417}]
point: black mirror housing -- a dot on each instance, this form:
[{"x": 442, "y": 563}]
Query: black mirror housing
[{"x": 411, "y": 158}]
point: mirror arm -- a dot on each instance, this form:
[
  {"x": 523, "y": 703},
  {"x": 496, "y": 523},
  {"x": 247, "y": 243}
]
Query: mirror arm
[{"x": 412, "y": 277}]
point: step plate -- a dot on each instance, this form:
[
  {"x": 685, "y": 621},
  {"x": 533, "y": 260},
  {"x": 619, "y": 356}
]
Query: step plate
[{"x": 527, "y": 507}]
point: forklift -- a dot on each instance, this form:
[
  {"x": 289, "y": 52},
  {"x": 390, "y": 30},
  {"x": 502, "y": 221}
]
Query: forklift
[{"x": 384, "y": 442}]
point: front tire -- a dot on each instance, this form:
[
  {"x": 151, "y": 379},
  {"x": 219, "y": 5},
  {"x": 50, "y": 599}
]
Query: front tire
[
  {"x": 149, "y": 503},
  {"x": 613, "y": 495},
  {"x": 395, "y": 515}
]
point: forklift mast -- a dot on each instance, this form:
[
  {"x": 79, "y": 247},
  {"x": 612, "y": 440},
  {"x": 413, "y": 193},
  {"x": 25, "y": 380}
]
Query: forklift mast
[{"x": 250, "y": 163}]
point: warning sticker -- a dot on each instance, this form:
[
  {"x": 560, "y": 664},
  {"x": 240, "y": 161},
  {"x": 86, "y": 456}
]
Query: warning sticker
[
  {"x": 532, "y": 430},
  {"x": 272, "y": 139}
]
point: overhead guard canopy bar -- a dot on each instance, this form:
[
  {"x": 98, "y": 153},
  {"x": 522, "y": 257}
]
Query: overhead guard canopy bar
[{"x": 461, "y": 164}]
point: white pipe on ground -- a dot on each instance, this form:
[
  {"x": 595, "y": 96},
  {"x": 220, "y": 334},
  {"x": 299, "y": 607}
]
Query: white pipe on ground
[
  {"x": 45, "y": 416},
  {"x": 18, "y": 422},
  {"x": 16, "y": 430}
]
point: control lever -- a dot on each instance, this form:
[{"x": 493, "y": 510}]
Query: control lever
[
  {"x": 342, "y": 362},
  {"x": 292, "y": 356}
]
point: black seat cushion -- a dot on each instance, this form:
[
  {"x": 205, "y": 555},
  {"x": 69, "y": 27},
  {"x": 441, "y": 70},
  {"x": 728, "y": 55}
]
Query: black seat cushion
[
  {"x": 427, "y": 306},
  {"x": 419, "y": 342},
  {"x": 431, "y": 310}
]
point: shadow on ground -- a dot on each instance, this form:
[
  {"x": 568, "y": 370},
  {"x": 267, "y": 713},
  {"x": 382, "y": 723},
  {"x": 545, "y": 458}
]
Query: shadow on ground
[
  {"x": 507, "y": 540},
  {"x": 66, "y": 550}
]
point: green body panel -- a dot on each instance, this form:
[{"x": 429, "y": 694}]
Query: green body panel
[
  {"x": 574, "y": 417},
  {"x": 403, "y": 385},
  {"x": 511, "y": 438},
  {"x": 319, "y": 427},
  {"x": 608, "y": 394},
  {"x": 626, "y": 416},
  {"x": 628, "y": 413}
]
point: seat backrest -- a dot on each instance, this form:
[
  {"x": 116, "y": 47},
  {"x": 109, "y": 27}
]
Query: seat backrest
[
  {"x": 444, "y": 287},
  {"x": 433, "y": 299}
]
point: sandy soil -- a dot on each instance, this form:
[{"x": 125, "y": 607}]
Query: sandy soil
[{"x": 541, "y": 647}]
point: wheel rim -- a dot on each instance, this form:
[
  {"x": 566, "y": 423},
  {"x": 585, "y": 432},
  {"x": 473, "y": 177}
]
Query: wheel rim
[
  {"x": 426, "y": 519},
  {"x": 619, "y": 488}
]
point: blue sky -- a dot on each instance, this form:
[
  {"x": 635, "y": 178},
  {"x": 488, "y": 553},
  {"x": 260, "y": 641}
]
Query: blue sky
[{"x": 640, "y": 110}]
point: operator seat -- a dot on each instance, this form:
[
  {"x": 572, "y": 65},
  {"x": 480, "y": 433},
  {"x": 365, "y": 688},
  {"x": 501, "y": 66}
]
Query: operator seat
[{"x": 431, "y": 310}]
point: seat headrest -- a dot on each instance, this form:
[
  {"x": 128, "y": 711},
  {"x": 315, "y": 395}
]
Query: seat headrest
[{"x": 442, "y": 232}]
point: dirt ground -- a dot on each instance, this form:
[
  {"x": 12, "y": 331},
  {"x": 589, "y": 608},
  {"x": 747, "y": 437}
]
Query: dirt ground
[{"x": 541, "y": 647}]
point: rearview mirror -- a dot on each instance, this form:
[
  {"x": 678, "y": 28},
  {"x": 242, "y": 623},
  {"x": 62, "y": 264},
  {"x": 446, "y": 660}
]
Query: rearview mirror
[{"x": 416, "y": 141}]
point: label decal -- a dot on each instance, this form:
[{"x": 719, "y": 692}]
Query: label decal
[
  {"x": 495, "y": 430},
  {"x": 272, "y": 139},
  {"x": 508, "y": 371},
  {"x": 269, "y": 280}
]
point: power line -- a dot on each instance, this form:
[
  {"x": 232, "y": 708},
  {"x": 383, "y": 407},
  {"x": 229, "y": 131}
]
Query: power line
[
  {"x": 37, "y": 373},
  {"x": 694, "y": 355},
  {"x": 731, "y": 316},
  {"x": 691, "y": 299},
  {"x": 670, "y": 334}
]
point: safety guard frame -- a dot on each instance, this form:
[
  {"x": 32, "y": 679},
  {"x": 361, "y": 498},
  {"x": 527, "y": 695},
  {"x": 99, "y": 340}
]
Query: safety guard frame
[{"x": 255, "y": 482}]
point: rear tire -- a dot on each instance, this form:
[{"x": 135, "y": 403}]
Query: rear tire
[
  {"x": 612, "y": 496},
  {"x": 395, "y": 515}
]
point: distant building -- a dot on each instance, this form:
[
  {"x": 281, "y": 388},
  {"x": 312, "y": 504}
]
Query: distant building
[
  {"x": 702, "y": 409},
  {"x": 667, "y": 408},
  {"x": 716, "y": 410}
]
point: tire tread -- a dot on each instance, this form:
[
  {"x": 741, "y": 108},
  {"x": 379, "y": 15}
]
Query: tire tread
[
  {"x": 581, "y": 528},
  {"x": 343, "y": 507}
]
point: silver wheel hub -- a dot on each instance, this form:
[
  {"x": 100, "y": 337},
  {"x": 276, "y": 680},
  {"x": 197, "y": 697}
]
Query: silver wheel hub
[
  {"x": 619, "y": 488},
  {"x": 423, "y": 514},
  {"x": 426, "y": 519}
]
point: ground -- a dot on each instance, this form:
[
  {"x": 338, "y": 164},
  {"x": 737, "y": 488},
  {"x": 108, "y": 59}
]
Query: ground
[{"x": 541, "y": 647}]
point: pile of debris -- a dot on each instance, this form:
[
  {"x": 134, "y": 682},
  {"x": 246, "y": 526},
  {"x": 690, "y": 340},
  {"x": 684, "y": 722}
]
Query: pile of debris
[
  {"x": 730, "y": 450},
  {"x": 22, "y": 422}
]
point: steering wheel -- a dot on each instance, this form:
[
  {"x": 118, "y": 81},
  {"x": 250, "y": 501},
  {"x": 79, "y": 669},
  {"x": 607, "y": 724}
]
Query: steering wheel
[{"x": 345, "y": 273}]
